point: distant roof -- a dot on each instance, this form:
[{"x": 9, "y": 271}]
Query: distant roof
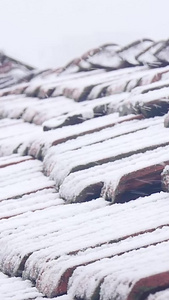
[{"x": 84, "y": 180}]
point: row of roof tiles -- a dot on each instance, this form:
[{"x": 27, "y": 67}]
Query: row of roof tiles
[{"x": 99, "y": 134}]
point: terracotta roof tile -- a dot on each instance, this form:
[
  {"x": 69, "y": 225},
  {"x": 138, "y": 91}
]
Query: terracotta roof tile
[{"x": 94, "y": 131}]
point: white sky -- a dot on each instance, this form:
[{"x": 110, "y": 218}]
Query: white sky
[{"x": 49, "y": 33}]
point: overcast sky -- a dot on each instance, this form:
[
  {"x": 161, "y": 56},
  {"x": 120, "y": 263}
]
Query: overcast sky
[{"x": 49, "y": 33}]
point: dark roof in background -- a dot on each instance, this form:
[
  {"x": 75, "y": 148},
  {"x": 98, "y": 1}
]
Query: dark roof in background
[{"x": 84, "y": 154}]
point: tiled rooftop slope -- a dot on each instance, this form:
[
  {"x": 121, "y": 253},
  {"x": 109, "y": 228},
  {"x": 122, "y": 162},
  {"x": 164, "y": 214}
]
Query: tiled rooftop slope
[{"x": 84, "y": 176}]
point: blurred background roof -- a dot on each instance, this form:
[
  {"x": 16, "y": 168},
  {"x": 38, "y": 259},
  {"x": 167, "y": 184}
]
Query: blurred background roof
[{"x": 49, "y": 33}]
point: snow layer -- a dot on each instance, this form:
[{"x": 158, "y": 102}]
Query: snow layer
[
  {"x": 47, "y": 235},
  {"x": 29, "y": 173},
  {"x": 15, "y": 288},
  {"x": 29, "y": 203},
  {"x": 106, "y": 151},
  {"x": 96, "y": 137},
  {"x": 39, "y": 225},
  {"x": 42, "y": 260},
  {"x": 162, "y": 295},
  {"x": 60, "y": 135},
  {"x": 110, "y": 174},
  {"x": 55, "y": 270},
  {"x": 13, "y": 133},
  {"x": 115, "y": 277},
  {"x": 90, "y": 249}
]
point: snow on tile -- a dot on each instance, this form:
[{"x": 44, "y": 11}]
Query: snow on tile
[
  {"x": 36, "y": 227},
  {"x": 36, "y": 111},
  {"x": 161, "y": 295},
  {"x": 32, "y": 202},
  {"x": 54, "y": 275},
  {"x": 7, "y": 147},
  {"x": 128, "y": 83},
  {"x": 60, "y": 135},
  {"x": 14, "y": 107},
  {"x": 86, "y": 110},
  {"x": 162, "y": 53},
  {"x": 113, "y": 224},
  {"x": 10, "y": 98},
  {"x": 99, "y": 90},
  {"x": 38, "y": 82},
  {"x": 152, "y": 103},
  {"x": 104, "y": 56},
  {"x": 47, "y": 89},
  {"x": 16, "y": 89},
  {"x": 105, "y": 179},
  {"x": 94, "y": 79},
  {"x": 43, "y": 238},
  {"x": 47, "y": 109},
  {"x": 49, "y": 239},
  {"x": 117, "y": 276},
  {"x": 29, "y": 173},
  {"x": 112, "y": 56},
  {"x": 80, "y": 91},
  {"x": 57, "y": 111},
  {"x": 9, "y": 122},
  {"x": 32, "y": 220},
  {"x": 150, "y": 87},
  {"x": 17, "y": 129},
  {"x": 152, "y": 95},
  {"x": 148, "y": 57},
  {"x": 95, "y": 137},
  {"x": 130, "y": 52},
  {"x": 74, "y": 89},
  {"x": 14, "y": 133},
  {"x": 10, "y": 79},
  {"x": 12, "y": 288},
  {"x": 63, "y": 297},
  {"x": 68, "y": 119},
  {"x": 164, "y": 178},
  {"x": 12, "y": 160},
  {"x": 106, "y": 151},
  {"x": 109, "y": 100}
]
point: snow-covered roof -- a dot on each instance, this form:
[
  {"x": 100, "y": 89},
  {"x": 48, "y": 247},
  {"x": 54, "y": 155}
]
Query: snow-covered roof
[{"x": 84, "y": 176}]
